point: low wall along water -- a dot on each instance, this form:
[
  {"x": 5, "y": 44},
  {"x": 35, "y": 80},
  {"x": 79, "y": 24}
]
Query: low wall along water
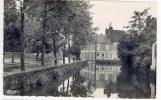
[{"x": 23, "y": 83}]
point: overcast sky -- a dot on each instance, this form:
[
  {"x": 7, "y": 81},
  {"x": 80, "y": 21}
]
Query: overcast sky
[{"x": 118, "y": 13}]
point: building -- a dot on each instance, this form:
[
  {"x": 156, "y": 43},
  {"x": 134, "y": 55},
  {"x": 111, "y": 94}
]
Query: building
[
  {"x": 106, "y": 46},
  {"x": 106, "y": 49}
]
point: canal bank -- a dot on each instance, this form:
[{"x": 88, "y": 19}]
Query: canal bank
[{"x": 29, "y": 80}]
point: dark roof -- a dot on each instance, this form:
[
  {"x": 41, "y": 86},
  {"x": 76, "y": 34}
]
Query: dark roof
[
  {"x": 102, "y": 39},
  {"x": 115, "y": 35}
]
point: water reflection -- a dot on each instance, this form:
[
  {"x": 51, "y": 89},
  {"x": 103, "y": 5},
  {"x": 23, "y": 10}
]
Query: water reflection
[
  {"x": 106, "y": 78},
  {"x": 81, "y": 87},
  {"x": 115, "y": 83},
  {"x": 134, "y": 85},
  {"x": 108, "y": 82}
]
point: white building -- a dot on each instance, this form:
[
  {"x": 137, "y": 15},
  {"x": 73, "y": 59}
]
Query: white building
[{"x": 106, "y": 46}]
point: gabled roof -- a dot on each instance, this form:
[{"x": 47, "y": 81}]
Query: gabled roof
[
  {"x": 115, "y": 35},
  {"x": 102, "y": 39}
]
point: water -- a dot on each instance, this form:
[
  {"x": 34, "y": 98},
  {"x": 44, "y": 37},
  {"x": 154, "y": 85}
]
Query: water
[{"x": 111, "y": 82}]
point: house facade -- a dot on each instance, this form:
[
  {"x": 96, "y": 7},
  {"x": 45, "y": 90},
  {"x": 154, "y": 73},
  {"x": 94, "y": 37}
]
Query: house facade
[{"x": 106, "y": 46}]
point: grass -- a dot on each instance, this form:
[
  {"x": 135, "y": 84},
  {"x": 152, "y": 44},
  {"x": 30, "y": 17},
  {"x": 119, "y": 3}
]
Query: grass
[{"x": 30, "y": 64}]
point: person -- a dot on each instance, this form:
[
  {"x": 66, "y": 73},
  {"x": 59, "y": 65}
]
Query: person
[{"x": 108, "y": 87}]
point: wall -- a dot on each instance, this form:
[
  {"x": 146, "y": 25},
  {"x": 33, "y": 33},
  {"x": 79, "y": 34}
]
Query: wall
[{"x": 25, "y": 81}]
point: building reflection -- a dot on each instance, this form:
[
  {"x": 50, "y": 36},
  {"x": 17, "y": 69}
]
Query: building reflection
[{"x": 104, "y": 74}]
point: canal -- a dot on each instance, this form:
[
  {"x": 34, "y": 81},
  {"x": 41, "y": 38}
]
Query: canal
[{"x": 109, "y": 81}]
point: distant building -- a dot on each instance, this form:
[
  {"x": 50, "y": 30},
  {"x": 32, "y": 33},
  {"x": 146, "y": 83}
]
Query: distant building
[{"x": 106, "y": 46}]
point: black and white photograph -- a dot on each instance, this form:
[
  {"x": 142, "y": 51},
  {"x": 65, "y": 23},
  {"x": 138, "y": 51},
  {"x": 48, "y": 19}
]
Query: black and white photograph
[{"x": 80, "y": 49}]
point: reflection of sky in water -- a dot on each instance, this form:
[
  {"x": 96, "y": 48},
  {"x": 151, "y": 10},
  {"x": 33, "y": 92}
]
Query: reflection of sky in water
[{"x": 104, "y": 74}]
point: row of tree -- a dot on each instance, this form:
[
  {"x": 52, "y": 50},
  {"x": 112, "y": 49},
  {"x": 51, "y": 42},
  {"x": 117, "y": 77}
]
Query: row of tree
[
  {"x": 135, "y": 53},
  {"x": 135, "y": 48},
  {"x": 46, "y": 26}
]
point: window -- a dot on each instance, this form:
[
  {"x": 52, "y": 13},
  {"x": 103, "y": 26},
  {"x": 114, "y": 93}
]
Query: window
[
  {"x": 110, "y": 55},
  {"x": 98, "y": 54},
  {"x": 102, "y": 55},
  {"x": 92, "y": 68},
  {"x": 97, "y": 76},
  {"x": 107, "y": 47},
  {"x": 92, "y": 55},
  {"x": 110, "y": 68},
  {"x": 106, "y": 76},
  {"x": 98, "y": 46},
  {"x": 106, "y": 55},
  {"x": 114, "y": 68},
  {"x": 106, "y": 68},
  {"x": 102, "y": 68}
]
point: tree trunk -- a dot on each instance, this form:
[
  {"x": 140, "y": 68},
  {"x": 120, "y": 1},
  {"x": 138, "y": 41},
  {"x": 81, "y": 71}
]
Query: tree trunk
[
  {"x": 13, "y": 53},
  {"x": 37, "y": 55},
  {"x": 42, "y": 53},
  {"x": 73, "y": 78},
  {"x": 52, "y": 58},
  {"x": 64, "y": 61},
  {"x": 43, "y": 37},
  {"x": 54, "y": 49},
  {"x": 64, "y": 53},
  {"x": 79, "y": 56},
  {"x": 67, "y": 87},
  {"x": 69, "y": 51},
  {"x": 63, "y": 86},
  {"x": 22, "y": 37},
  {"x": 76, "y": 57},
  {"x": 73, "y": 58}
]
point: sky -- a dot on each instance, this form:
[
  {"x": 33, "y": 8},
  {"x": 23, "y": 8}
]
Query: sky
[{"x": 117, "y": 13}]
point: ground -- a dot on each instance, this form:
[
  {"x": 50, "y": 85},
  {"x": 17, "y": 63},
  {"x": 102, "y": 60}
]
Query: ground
[{"x": 30, "y": 63}]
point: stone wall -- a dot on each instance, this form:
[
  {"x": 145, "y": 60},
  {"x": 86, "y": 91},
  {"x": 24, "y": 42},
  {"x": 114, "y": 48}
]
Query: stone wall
[{"x": 23, "y": 82}]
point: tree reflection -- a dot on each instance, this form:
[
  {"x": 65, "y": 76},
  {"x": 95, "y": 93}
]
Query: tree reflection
[
  {"x": 81, "y": 87},
  {"x": 133, "y": 85}
]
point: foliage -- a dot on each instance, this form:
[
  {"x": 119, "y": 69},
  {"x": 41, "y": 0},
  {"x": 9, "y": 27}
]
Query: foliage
[
  {"x": 11, "y": 26},
  {"x": 49, "y": 25},
  {"x": 64, "y": 19},
  {"x": 81, "y": 87},
  {"x": 134, "y": 49}
]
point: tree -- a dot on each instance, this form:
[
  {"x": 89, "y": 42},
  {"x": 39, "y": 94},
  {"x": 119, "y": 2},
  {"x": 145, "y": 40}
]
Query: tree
[
  {"x": 22, "y": 8},
  {"x": 11, "y": 27},
  {"x": 134, "y": 50}
]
